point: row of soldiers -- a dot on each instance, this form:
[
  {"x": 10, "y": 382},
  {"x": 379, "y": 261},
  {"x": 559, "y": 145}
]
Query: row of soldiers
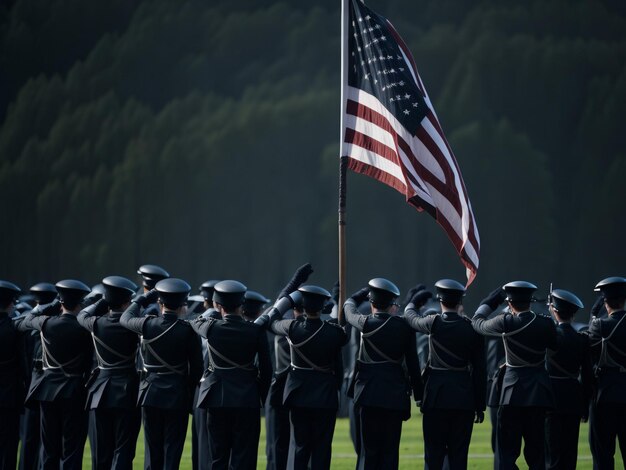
[{"x": 217, "y": 365}]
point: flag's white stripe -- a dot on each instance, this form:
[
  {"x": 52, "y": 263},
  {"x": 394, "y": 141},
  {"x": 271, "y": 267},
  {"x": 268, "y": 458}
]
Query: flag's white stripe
[
  {"x": 378, "y": 133},
  {"x": 420, "y": 190},
  {"x": 370, "y": 129},
  {"x": 466, "y": 213},
  {"x": 448, "y": 211},
  {"x": 373, "y": 159},
  {"x": 372, "y": 102}
]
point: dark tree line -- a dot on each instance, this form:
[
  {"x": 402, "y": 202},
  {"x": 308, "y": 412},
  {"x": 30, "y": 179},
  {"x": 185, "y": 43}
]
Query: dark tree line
[{"x": 203, "y": 136}]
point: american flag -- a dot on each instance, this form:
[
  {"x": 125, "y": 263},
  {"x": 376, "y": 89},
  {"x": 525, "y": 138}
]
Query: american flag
[{"x": 391, "y": 132}]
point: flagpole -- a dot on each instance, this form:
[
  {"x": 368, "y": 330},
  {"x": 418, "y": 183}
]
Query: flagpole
[{"x": 343, "y": 166}]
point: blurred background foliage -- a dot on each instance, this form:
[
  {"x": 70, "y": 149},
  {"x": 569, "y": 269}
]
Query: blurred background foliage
[{"x": 203, "y": 136}]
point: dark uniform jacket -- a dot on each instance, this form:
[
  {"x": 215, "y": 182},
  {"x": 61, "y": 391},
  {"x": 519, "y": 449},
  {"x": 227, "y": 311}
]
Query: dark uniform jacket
[
  {"x": 455, "y": 375},
  {"x": 240, "y": 369},
  {"x": 316, "y": 370},
  {"x": 11, "y": 364},
  {"x": 387, "y": 348},
  {"x": 608, "y": 347},
  {"x": 570, "y": 371},
  {"x": 526, "y": 337},
  {"x": 115, "y": 383},
  {"x": 67, "y": 356},
  {"x": 172, "y": 359}
]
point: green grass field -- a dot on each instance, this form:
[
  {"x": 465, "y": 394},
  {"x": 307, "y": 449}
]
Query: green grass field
[{"x": 411, "y": 448}]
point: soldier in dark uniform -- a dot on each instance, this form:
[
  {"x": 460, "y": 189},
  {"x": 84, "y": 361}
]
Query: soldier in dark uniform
[
  {"x": 526, "y": 392},
  {"x": 314, "y": 380},
  {"x": 112, "y": 392},
  {"x": 571, "y": 376},
  {"x": 173, "y": 365},
  {"x": 382, "y": 390},
  {"x": 494, "y": 359},
  {"x": 455, "y": 388},
  {"x": 11, "y": 377},
  {"x": 30, "y": 450},
  {"x": 608, "y": 348},
  {"x": 67, "y": 359},
  {"x": 150, "y": 275},
  {"x": 253, "y": 304},
  {"x": 200, "y": 449},
  {"x": 276, "y": 414},
  {"x": 236, "y": 382}
]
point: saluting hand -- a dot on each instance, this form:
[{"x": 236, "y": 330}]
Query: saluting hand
[
  {"x": 597, "y": 306},
  {"x": 494, "y": 299},
  {"x": 48, "y": 310},
  {"x": 420, "y": 298},
  {"x": 298, "y": 278},
  {"x": 412, "y": 291},
  {"x": 146, "y": 299},
  {"x": 101, "y": 307},
  {"x": 360, "y": 296}
]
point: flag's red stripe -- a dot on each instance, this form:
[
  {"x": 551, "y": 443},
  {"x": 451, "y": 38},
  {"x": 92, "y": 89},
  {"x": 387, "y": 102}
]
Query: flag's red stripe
[
  {"x": 452, "y": 193},
  {"x": 435, "y": 122},
  {"x": 369, "y": 143},
  {"x": 431, "y": 179},
  {"x": 452, "y": 235},
  {"x": 373, "y": 172},
  {"x": 438, "y": 153},
  {"x": 435, "y": 151}
]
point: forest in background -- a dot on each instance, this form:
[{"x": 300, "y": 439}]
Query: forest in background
[{"x": 204, "y": 137}]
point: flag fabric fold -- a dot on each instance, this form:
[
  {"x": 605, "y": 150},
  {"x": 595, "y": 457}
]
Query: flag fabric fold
[{"x": 391, "y": 131}]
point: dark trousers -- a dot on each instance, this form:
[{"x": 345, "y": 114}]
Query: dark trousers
[
  {"x": 30, "y": 450},
  {"x": 355, "y": 431},
  {"x": 115, "y": 437},
  {"x": 9, "y": 436},
  {"x": 493, "y": 417},
  {"x": 312, "y": 432},
  {"x": 606, "y": 423},
  {"x": 234, "y": 437},
  {"x": 165, "y": 432},
  {"x": 200, "y": 451},
  {"x": 277, "y": 429},
  {"x": 63, "y": 433},
  {"x": 380, "y": 438},
  {"x": 562, "y": 441},
  {"x": 447, "y": 433},
  {"x": 91, "y": 436},
  {"x": 517, "y": 423}
]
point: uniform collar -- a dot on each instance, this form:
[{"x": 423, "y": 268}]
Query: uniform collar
[
  {"x": 233, "y": 317},
  {"x": 450, "y": 314},
  {"x": 170, "y": 315}
]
